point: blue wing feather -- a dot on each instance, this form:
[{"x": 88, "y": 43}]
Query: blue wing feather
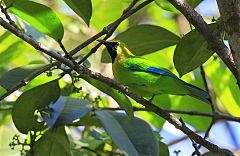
[
  {"x": 160, "y": 72},
  {"x": 153, "y": 70}
]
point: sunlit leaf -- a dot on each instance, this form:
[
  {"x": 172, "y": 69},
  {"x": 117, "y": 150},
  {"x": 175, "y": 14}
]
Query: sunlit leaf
[
  {"x": 4, "y": 36},
  {"x": 224, "y": 85},
  {"x": 81, "y": 7},
  {"x": 24, "y": 108},
  {"x": 12, "y": 52},
  {"x": 188, "y": 103},
  {"x": 166, "y": 5},
  {"x": 41, "y": 79},
  {"x": 16, "y": 75},
  {"x": 39, "y": 16},
  {"x": 144, "y": 39},
  {"x": 65, "y": 110},
  {"x": 113, "y": 9},
  {"x": 132, "y": 135}
]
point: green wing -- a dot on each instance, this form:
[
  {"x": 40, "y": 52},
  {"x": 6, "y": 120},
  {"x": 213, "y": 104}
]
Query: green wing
[{"x": 143, "y": 65}]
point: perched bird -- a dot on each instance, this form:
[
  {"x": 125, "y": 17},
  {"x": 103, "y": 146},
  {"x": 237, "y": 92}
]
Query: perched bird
[{"x": 147, "y": 78}]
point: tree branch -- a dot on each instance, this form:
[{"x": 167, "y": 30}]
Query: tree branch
[
  {"x": 214, "y": 42},
  {"x": 170, "y": 118},
  {"x": 27, "y": 79},
  {"x": 217, "y": 116},
  {"x": 110, "y": 29},
  {"x": 230, "y": 14},
  {"x": 82, "y": 70},
  {"x": 126, "y": 13}
]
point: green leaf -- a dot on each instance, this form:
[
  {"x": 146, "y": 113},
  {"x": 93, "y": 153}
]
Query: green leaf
[
  {"x": 26, "y": 105},
  {"x": 53, "y": 142},
  {"x": 39, "y": 16},
  {"x": 132, "y": 135},
  {"x": 16, "y": 75},
  {"x": 39, "y": 80},
  {"x": 88, "y": 120},
  {"x": 191, "y": 52},
  {"x": 65, "y": 110},
  {"x": 81, "y": 7},
  {"x": 120, "y": 98},
  {"x": 166, "y": 5},
  {"x": 194, "y": 3},
  {"x": 90, "y": 142},
  {"x": 188, "y": 103},
  {"x": 145, "y": 39},
  {"x": 113, "y": 9},
  {"x": 224, "y": 85},
  {"x": 12, "y": 52},
  {"x": 5, "y": 35},
  {"x": 163, "y": 149},
  {"x": 162, "y": 101}
]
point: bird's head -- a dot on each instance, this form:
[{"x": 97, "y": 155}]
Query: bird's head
[{"x": 111, "y": 47}]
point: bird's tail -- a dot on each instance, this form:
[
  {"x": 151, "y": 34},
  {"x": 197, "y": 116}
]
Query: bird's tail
[{"x": 198, "y": 93}]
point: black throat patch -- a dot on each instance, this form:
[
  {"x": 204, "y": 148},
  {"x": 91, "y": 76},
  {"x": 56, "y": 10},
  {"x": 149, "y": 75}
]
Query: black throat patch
[{"x": 112, "y": 49}]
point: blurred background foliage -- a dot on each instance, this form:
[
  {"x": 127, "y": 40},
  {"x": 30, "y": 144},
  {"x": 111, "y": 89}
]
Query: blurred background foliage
[{"x": 14, "y": 53}]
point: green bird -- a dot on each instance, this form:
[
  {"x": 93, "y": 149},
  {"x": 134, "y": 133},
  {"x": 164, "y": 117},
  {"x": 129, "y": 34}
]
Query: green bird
[{"x": 147, "y": 78}]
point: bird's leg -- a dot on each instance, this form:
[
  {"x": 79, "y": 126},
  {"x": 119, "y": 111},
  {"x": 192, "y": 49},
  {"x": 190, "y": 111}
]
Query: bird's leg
[{"x": 150, "y": 100}]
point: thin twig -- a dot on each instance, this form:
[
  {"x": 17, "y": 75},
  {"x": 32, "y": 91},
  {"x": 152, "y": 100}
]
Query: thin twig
[
  {"x": 215, "y": 43},
  {"x": 217, "y": 116},
  {"x": 65, "y": 52},
  {"x": 206, "y": 135},
  {"x": 38, "y": 46},
  {"x": 178, "y": 140},
  {"x": 195, "y": 146},
  {"x": 134, "y": 2},
  {"x": 4, "y": 11},
  {"x": 27, "y": 79},
  {"x": 82, "y": 70},
  {"x": 206, "y": 84},
  {"x": 214, "y": 110},
  {"x": 111, "y": 28}
]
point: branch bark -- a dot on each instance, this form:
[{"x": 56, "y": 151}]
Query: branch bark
[
  {"x": 230, "y": 14},
  {"x": 82, "y": 70},
  {"x": 214, "y": 42},
  {"x": 216, "y": 116},
  {"x": 107, "y": 30}
]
